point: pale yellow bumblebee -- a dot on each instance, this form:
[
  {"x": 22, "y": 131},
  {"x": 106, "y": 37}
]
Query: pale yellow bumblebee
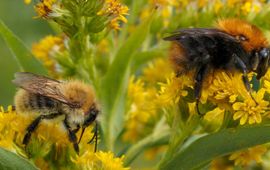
[{"x": 73, "y": 102}]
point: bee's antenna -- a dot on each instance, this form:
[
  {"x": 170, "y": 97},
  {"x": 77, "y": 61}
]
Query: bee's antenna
[{"x": 81, "y": 135}]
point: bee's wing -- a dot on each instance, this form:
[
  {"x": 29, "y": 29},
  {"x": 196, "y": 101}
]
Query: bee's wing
[
  {"x": 196, "y": 32},
  {"x": 42, "y": 85}
]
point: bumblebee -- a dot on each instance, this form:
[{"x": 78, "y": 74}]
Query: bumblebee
[
  {"x": 73, "y": 102},
  {"x": 234, "y": 45}
]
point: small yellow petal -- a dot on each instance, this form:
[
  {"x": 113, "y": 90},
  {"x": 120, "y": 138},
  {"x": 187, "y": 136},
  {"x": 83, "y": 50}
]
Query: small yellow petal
[
  {"x": 243, "y": 119},
  {"x": 238, "y": 106},
  {"x": 238, "y": 114}
]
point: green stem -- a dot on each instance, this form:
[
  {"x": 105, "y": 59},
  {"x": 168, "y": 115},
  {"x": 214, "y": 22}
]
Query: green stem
[
  {"x": 179, "y": 136},
  {"x": 155, "y": 139}
]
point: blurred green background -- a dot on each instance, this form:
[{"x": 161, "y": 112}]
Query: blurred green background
[{"x": 20, "y": 19}]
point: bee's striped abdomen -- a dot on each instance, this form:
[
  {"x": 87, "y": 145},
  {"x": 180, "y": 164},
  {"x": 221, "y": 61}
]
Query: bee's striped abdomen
[{"x": 28, "y": 102}]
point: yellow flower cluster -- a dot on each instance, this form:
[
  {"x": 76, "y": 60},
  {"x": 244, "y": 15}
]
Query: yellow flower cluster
[
  {"x": 266, "y": 81},
  {"x": 157, "y": 71},
  {"x": 50, "y": 135},
  {"x": 44, "y": 8},
  {"x": 224, "y": 89},
  {"x": 142, "y": 109},
  {"x": 245, "y": 6},
  {"x": 143, "y": 99},
  {"x": 115, "y": 10},
  {"x": 99, "y": 161},
  {"x": 13, "y": 127},
  {"x": 173, "y": 89},
  {"x": 246, "y": 157},
  {"x": 47, "y": 49},
  {"x": 251, "y": 6},
  {"x": 249, "y": 111}
]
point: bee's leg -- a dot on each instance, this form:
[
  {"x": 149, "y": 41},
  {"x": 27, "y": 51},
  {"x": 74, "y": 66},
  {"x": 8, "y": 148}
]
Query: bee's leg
[
  {"x": 200, "y": 74},
  {"x": 240, "y": 65},
  {"x": 30, "y": 129},
  {"x": 95, "y": 136},
  {"x": 33, "y": 126},
  {"x": 72, "y": 136}
]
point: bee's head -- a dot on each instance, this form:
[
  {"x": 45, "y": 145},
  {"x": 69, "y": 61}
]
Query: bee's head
[
  {"x": 91, "y": 115},
  {"x": 260, "y": 61}
]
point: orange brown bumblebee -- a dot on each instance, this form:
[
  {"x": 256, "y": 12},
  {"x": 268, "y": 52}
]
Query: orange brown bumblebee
[
  {"x": 73, "y": 102},
  {"x": 234, "y": 45}
]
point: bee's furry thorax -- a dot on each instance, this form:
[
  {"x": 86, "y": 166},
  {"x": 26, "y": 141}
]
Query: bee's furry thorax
[
  {"x": 78, "y": 92},
  {"x": 236, "y": 27}
]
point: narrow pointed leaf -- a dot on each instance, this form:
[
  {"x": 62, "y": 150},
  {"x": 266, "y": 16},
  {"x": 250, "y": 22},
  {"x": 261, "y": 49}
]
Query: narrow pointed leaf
[
  {"x": 11, "y": 161},
  {"x": 221, "y": 143},
  {"x": 114, "y": 85},
  {"x": 22, "y": 55}
]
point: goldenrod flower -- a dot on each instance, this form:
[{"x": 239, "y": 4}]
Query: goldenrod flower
[
  {"x": 245, "y": 157},
  {"x": 115, "y": 10},
  {"x": 223, "y": 87},
  {"x": 218, "y": 4},
  {"x": 46, "y": 50},
  {"x": 157, "y": 71},
  {"x": 215, "y": 115},
  {"x": 143, "y": 109},
  {"x": 250, "y": 6},
  {"x": 109, "y": 162},
  {"x": 202, "y": 3},
  {"x": 27, "y": 1},
  {"x": 99, "y": 161},
  {"x": 114, "y": 24},
  {"x": 50, "y": 137},
  {"x": 173, "y": 89},
  {"x": 165, "y": 6},
  {"x": 266, "y": 81},
  {"x": 44, "y": 8},
  {"x": 231, "y": 3},
  {"x": 249, "y": 111}
]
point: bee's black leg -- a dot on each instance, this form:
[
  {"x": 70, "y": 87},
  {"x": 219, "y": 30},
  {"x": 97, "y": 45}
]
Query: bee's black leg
[
  {"x": 240, "y": 65},
  {"x": 201, "y": 72},
  {"x": 95, "y": 136},
  {"x": 72, "y": 136},
  {"x": 33, "y": 126}
]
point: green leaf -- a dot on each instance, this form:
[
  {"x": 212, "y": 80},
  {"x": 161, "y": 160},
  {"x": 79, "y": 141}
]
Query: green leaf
[
  {"x": 11, "y": 161},
  {"x": 22, "y": 55},
  {"x": 218, "y": 144},
  {"x": 145, "y": 56},
  {"x": 114, "y": 85}
]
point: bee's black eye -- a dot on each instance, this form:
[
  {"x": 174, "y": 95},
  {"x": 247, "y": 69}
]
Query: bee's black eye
[{"x": 91, "y": 116}]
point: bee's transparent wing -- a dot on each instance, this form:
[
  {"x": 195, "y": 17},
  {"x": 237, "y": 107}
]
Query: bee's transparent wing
[{"x": 42, "y": 85}]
